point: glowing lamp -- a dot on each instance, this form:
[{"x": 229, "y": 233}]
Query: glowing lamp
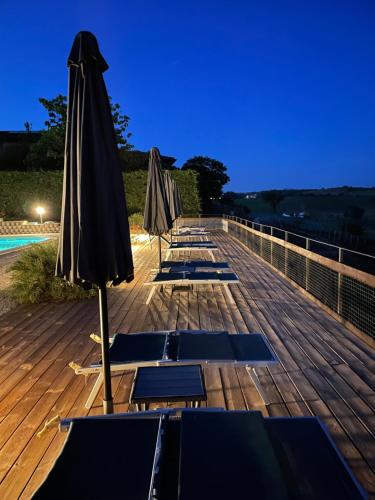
[{"x": 40, "y": 211}]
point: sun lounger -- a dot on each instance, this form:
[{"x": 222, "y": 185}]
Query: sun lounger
[
  {"x": 179, "y": 347},
  {"x": 192, "y": 265},
  {"x": 192, "y": 246},
  {"x": 200, "y": 454},
  {"x": 99, "y": 454},
  {"x": 191, "y": 232},
  {"x": 192, "y": 228},
  {"x": 191, "y": 278}
]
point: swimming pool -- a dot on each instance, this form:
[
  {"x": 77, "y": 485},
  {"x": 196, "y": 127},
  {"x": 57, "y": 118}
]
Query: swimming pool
[{"x": 12, "y": 242}]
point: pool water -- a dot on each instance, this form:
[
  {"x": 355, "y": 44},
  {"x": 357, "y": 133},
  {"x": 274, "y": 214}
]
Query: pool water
[{"x": 9, "y": 242}]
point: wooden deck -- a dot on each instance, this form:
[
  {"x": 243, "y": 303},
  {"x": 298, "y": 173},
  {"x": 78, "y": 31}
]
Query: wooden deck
[{"x": 324, "y": 369}]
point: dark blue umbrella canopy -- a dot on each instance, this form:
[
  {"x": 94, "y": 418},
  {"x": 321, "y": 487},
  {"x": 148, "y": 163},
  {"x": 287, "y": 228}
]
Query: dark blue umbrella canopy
[
  {"x": 94, "y": 246},
  {"x": 170, "y": 192},
  {"x": 157, "y": 216},
  {"x": 94, "y": 243},
  {"x": 178, "y": 199}
]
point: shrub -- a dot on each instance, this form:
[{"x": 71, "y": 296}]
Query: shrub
[
  {"x": 33, "y": 277},
  {"x": 136, "y": 221}
]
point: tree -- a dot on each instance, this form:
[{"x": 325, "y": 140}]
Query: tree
[
  {"x": 28, "y": 127},
  {"x": 212, "y": 178},
  {"x": 273, "y": 197},
  {"x": 48, "y": 152},
  {"x": 138, "y": 160}
]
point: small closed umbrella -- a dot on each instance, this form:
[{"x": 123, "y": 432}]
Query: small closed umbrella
[
  {"x": 157, "y": 216},
  {"x": 177, "y": 201},
  {"x": 171, "y": 197},
  {"x": 94, "y": 245}
]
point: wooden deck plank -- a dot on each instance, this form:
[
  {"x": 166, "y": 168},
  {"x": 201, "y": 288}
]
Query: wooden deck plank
[{"x": 232, "y": 391}]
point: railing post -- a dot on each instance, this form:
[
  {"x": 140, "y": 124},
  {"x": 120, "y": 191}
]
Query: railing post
[
  {"x": 271, "y": 246},
  {"x": 307, "y": 270},
  {"x": 340, "y": 284},
  {"x": 286, "y": 254},
  {"x": 261, "y": 241}
]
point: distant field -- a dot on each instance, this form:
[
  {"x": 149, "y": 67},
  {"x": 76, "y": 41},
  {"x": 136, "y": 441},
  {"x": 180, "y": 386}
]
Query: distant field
[{"x": 325, "y": 209}]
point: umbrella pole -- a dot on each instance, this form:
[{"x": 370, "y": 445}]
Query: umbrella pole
[
  {"x": 159, "y": 253},
  {"x": 107, "y": 389}
]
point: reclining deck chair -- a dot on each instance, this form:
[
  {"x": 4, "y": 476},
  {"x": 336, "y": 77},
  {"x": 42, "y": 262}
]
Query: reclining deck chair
[
  {"x": 191, "y": 278},
  {"x": 192, "y": 227},
  {"x": 193, "y": 265},
  {"x": 190, "y": 232},
  {"x": 178, "y": 347},
  {"x": 202, "y": 454},
  {"x": 192, "y": 246}
]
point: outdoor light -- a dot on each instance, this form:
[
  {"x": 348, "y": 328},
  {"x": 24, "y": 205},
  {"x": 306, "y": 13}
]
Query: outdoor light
[{"x": 40, "y": 211}]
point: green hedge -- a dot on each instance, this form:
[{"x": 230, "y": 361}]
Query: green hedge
[
  {"x": 21, "y": 192},
  {"x": 136, "y": 183}
]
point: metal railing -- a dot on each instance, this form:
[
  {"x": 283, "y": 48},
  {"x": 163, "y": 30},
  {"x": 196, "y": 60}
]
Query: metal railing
[
  {"x": 211, "y": 221},
  {"x": 357, "y": 260},
  {"x": 341, "y": 280}
]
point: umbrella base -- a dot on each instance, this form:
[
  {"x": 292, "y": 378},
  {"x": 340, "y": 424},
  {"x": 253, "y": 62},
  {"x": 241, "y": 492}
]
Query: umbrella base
[{"x": 108, "y": 406}]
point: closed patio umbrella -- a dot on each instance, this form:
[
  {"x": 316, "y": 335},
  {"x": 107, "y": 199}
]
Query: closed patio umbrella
[
  {"x": 177, "y": 202},
  {"x": 180, "y": 207},
  {"x": 171, "y": 197},
  {"x": 94, "y": 245},
  {"x": 157, "y": 216}
]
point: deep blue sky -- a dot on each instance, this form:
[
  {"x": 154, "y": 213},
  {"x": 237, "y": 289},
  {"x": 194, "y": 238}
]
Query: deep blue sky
[{"x": 281, "y": 91}]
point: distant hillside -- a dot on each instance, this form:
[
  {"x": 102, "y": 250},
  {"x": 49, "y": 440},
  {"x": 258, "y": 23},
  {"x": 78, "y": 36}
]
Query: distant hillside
[
  {"x": 318, "y": 192},
  {"x": 325, "y": 208}
]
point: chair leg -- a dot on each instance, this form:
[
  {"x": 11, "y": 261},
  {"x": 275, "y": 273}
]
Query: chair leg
[
  {"x": 153, "y": 288},
  {"x": 94, "y": 391},
  {"x": 212, "y": 256},
  {"x": 254, "y": 377}
]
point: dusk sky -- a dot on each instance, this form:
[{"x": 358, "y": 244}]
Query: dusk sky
[{"x": 281, "y": 91}]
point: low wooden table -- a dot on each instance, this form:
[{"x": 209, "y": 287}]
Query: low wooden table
[{"x": 167, "y": 384}]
